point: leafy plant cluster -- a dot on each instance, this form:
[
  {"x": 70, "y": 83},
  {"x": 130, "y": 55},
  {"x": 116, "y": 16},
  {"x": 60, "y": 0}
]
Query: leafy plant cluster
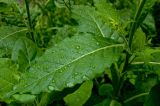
[{"x": 79, "y": 53}]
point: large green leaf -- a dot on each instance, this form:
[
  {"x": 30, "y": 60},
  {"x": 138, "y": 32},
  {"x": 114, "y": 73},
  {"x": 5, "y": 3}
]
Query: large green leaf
[
  {"x": 9, "y": 76},
  {"x": 80, "y": 96},
  {"x": 72, "y": 61},
  {"x": 90, "y": 21}
]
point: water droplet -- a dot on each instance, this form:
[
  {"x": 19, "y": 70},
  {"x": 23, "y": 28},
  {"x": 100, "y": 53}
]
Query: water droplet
[
  {"x": 78, "y": 47},
  {"x": 97, "y": 43},
  {"x": 70, "y": 84},
  {"x": 146, "y": 75},
  {"x": 17, "y": 77},
  {"x": 85, "y": 77},
  {"x": 65, "y": 68},
  {"x": 14, "y": 87},
  {"x": 50, "y": 87},
  {"x": 93, "y": 67},
  {"x": 53, "y": 81},
  {"x": 61, "y": 71},
  {"x": 62, "y": 56},
  {"x": 76, "y": 73}
]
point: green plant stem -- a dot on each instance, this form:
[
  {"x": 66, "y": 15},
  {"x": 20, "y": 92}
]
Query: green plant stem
[
  {"x": 133, "y": 28},
  {"x": 134, "y": 24},
  {"x": 136, "y": 96},
  {"x": 29, "y": 20},
  {"x": 67, "y": 5}
]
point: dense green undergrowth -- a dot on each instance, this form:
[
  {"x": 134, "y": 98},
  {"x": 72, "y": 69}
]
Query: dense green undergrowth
[{"x": 79, "y": 53}]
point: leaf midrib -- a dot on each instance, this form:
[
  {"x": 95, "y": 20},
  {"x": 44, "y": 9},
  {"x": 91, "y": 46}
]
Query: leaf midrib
[{"x": 94, "y": 21}]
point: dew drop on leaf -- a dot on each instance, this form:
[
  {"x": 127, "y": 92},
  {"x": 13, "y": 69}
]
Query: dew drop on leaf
[
  {"x": 70, "y": 84},
  {"x": 65, "y": 68},
  {"x": 61, "y": 71},
  {"x": 76, "y": 73},
  {"x": 62, "y": 56},
  {"x": 78, "y": 47},
  {"x": 14, "y": 87},
  {"x": 97, "y": 43},
  {"x": 85, "y": 77},
  {"x": 50, "y": 87},
  {"x": 93, "y": 67}
]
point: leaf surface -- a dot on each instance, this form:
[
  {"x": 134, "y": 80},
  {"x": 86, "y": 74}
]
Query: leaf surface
[
  {"x": 90, "y": 21},
  {"x": 72, "y": 61}
]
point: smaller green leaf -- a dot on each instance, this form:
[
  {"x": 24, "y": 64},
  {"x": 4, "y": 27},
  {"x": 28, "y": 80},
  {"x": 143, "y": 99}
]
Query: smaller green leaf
[
  {"x": 90, "y": 21},
  {"x": 24, "y": 98},
  {"x": 149, "y": 26},
  {"x": 24, "y": 52},
  {"x": 148, "y": 54},
  {"x": 139, "y": 40},
  {"x": 154, "y": 95},
  {"x": 106, "y": 89},
  {"x": 80, "y": 96}
]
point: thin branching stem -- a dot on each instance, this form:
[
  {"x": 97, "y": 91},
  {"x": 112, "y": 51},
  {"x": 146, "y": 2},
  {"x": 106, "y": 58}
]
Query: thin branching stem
[
  {"x": 133, "y": 28},
  {"x": 134, "y": 24},
  {"x": 136, "y": 96},
  {"x": 29, "y": 20}
]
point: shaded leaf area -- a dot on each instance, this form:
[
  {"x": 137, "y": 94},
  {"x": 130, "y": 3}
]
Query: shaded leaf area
[
  {"x": 146, "y": 55},
  {"x": 146, "y": 67},
  {"x": 24, "y": 52},
  {"x": 70, "y": 62},
  {"x": 142, "y": 77},
  {"x": 91, "y": 20},
  {"x": 143, "y": 73},
  {"x": 154, "y": 95},
  {"x": 9, "y": 76},
  {"x": 8, "y": 37},
  {"x": 80, "y": 96}
]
